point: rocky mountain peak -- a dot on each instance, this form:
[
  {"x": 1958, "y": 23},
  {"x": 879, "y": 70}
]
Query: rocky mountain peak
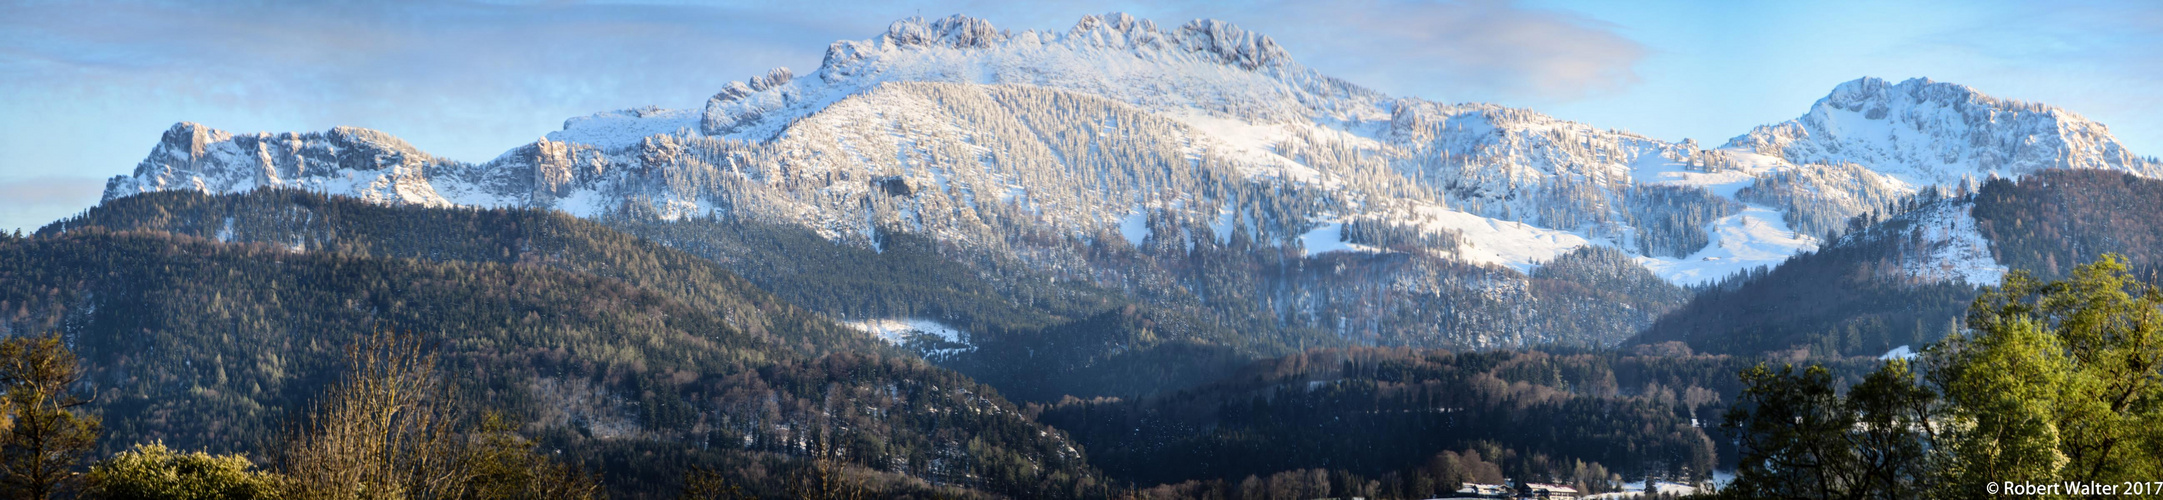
[
  {"x": 1200, "y": 65},
  {"x": 1875, "y": 97},
  {"x": 1235, "y": 46},
  {"x": 375, "y": 142},
  {"x": 367, "y": 163},
  {"x": 1929, "y": 132},
  {"x": 186, "y": 140},
  {"x": 956, "y": 31},
  {"x": 1225, "y": 42}
]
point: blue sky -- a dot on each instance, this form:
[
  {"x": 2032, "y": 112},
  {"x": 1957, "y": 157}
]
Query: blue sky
[{"x": 86, "y": 87}]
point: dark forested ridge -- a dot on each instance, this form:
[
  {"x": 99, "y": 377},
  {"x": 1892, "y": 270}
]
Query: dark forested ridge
[
  {"x": 311, "y": 223},
  {"x": 209, "y": 345},
  {"x": 1376, "y": 412},
  {"x": 1092, "y": 341},
  {"x": 1035, "y": 337},
  {"x": 1852, "y": 297},
  {"x": 632, "y": 343},
  {"x": 1831, "y": 302},
  {"x": 2052, "y": 221}
]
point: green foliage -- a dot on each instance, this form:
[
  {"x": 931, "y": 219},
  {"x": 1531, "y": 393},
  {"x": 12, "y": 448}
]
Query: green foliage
[
  {"x": 154, "y": 472},
  {"x": 43, "y": 435},
  {"x": 2058, "y": 381},
  {"x": 2052, "y": 382}
]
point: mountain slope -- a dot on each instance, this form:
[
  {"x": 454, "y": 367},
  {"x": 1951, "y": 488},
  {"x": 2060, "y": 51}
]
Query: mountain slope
[
  {"x": 1907, "y": 279},
  {"x": 1116, "y": 152},
  {"x": 312, "y": 223},
  {"x": 636, "y": 358}
]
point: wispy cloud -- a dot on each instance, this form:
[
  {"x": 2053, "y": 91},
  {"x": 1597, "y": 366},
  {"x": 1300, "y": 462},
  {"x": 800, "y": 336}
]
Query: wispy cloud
[
  {"x": 487, "y": 68},
  {"x": 51, "y": 190},
  {"x": 28, "y": 203},
  {"x": 1470, "y": 49}
]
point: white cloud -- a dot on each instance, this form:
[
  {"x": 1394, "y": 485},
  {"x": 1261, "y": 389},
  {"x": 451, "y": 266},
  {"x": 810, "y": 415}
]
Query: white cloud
[
  {"x": 29, "y": 203},
  {"x": 504, "y": 72},
  {"x": 1470, "y": 50}
]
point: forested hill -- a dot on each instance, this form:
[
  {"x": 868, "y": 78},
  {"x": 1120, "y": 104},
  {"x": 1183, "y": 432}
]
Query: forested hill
[
  {"x": 305, "y": 222},
  {"x": 1028, "y": 333},
  {"x": 1906, "y": 278},
  {"x": 2050, "y": 223},
  {"x": 634, "y": 359}
]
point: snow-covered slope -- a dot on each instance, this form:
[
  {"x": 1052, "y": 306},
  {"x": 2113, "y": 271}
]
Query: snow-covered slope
[
  {"x": 1924, "y": 133},
  {"x": 1222, "y": 101},
  {"x": 1207, "y": 66},
  {"x": 1046, "y": 146},
  {"x": 1940, "y": 244}
]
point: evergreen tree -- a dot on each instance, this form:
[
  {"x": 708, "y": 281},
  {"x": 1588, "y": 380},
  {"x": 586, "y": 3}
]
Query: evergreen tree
[
  {"x": 43, "y": 437},
  {"x": 154, "y": 472}
]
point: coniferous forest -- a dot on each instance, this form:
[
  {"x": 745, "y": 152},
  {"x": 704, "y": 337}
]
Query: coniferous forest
[{"x": 516, "y": 349}]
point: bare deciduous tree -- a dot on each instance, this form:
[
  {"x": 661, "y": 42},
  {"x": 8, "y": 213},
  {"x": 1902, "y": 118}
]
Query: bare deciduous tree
[{"x": 387, "y": 431}]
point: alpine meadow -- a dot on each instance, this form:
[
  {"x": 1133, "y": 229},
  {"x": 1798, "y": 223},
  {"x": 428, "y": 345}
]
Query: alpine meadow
[{"x": 1125, "y": 259}]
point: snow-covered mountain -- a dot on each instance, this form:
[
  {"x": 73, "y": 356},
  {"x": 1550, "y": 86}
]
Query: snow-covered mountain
[
  {"x": 1924, "y": 132},
  {"x": 1043, "y": 145}
]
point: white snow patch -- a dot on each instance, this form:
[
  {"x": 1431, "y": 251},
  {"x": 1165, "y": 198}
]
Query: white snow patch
[
  {"x": 615, "y": 129},
  {"x": 1902, "y": 352},
  {"x": 1254, "y": 145},
  {"x": 1490, "y": 241},
  {"x": 899, "y": 331},
  {"x": 1222, "y": 227},
  {"x": 1747, "y": 167},
  {"x": 584, "y": 203},
  {"x": 1330, "y": 238},
  {"x": 1756, "y": 237},
  {"x": 1958, "y": 252},
  {"x": 225, "y": 234},
  {"x": 1637, "y": 490},
  {"x": 1135, "y": 227}
]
